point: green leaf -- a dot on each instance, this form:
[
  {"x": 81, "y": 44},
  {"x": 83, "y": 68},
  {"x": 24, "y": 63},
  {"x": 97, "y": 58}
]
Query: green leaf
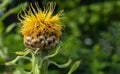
[
  {"x": 63, "y": 65},
  {"x": 14, "y": 10},
  {"x": 74, "y": 67},
  {"x": 54, "y": 54},
  {"x": 21, "y": 71},
  {"x": 18, "y": 8},
  {"x": 5, "y": 3},
  {"x": 1, "y": 27},
  {"x": 10, "y": 27}
]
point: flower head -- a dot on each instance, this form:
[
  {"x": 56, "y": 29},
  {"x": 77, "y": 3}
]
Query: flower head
[{"x": 41, "y": 29}]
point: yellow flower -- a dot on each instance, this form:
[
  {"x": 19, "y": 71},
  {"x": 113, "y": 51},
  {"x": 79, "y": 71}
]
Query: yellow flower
[{"x": 41, "y": 29}]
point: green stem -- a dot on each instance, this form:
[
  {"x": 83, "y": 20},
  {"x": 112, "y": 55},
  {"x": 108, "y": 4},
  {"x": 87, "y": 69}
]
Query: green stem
[
  {"x": 44, "y": 66},
  {"x": 44, "y": 63},
  {"x": 35, "y": 63},
  {"x": 39, "y": 65}
]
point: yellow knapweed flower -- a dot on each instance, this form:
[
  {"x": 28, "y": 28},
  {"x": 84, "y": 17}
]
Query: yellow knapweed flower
[{"x": 41, "y": 29}]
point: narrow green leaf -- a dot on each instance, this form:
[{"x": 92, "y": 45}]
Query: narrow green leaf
[
  {"x": 22, "y": 71},
  {"x": 74, "y": 67},
  {"x": 1, "y": 27},
  {"x": 63, "y": 65},
  {"x": 10, "y": 27},
  {"x": 14, "y": 10},
  {"x": 5, "y": 3},
  {"x": 54, "y": 54}
]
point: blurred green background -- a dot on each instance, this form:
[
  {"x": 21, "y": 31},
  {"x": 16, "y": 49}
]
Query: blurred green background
[{"x": 91, "y": 34}]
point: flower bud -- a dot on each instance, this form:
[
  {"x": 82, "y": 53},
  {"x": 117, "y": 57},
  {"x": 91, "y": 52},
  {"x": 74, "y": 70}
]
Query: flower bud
[{"x": 41, "y": 29}]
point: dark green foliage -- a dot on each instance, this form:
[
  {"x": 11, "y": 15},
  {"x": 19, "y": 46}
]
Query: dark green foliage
[{"x": 91, "y": 34}]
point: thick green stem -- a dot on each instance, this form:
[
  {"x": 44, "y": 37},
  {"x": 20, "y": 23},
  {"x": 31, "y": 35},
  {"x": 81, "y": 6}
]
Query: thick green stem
[
  {"x": 44, "y": 63},
  {"x": 39, "y": 65},
  {"x": 44, "y": 66}
]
